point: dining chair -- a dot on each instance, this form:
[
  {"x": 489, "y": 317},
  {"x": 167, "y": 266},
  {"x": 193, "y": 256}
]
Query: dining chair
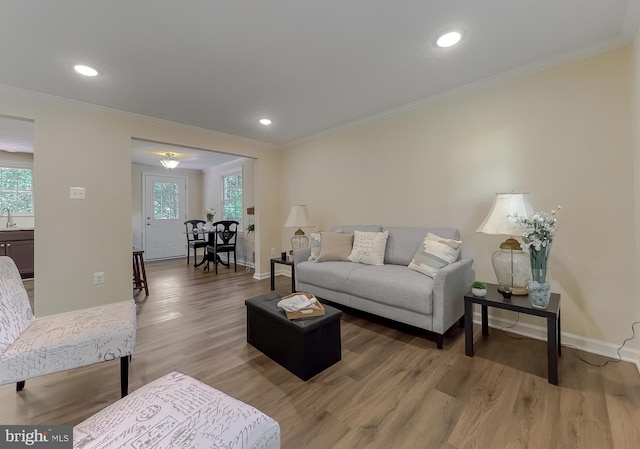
[
  {"x": 222, "y": 241},
  {"x": 195, "y": 239}
]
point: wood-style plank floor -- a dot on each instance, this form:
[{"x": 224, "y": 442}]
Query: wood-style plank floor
[{"x": 392, "y": 389}]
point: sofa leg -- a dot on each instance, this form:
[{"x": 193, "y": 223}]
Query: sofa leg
[
  {"x": 124, "y": 375},
  {"x": 461, "y": 322},
  {"x": 20, "y": 385},
  {"x": 439, "y": 341}
]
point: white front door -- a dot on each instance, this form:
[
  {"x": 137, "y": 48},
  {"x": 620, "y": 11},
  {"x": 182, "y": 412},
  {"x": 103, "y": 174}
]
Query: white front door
[{"x": 164, "y": 215}]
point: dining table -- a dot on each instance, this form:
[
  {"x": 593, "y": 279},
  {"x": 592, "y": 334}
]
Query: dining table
[{"x": 211, "y": 235}]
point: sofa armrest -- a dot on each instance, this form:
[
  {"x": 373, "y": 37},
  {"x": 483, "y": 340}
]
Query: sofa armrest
[
  {"x": 301, "y": 255},
  {"x": 449, "y": 287}
]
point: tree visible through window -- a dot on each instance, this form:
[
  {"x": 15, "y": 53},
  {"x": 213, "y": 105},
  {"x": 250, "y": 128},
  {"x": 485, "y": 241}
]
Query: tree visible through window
[
  {"x": 232, "y": 197},
  {"x": 166, "y": 204},
  {"x": 15, "y": 190}
]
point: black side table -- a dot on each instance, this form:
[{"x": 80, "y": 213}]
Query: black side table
[
  {"x": 276, "y": 260},
  {"x": 518, "y": 304}
]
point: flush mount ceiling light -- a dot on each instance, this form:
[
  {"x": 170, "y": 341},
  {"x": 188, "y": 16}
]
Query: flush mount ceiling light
[
  {"x": 449, "y": 39},
  {"x": 85, "y": 70},
  {"x": 169, "y": 162},
  {"x": 265, "y": 121}
]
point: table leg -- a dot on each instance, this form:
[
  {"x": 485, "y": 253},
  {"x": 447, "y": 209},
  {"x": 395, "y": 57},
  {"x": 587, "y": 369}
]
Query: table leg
[
  {"x": 273, "y": 275},
  {"x": 559, "y": 335},
  {"x": 552, "y": 351},
  {"x": 468, "y": 328},
  {"x": 485, "y": 320},
  {"x": 204, "y": 258},
  {"x": 293, "y": 279}
]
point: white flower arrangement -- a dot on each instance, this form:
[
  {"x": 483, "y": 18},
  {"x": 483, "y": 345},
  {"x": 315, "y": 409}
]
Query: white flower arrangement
[
  {"x": 210, "y": 213},
  {"x": 539, "y": 230}
]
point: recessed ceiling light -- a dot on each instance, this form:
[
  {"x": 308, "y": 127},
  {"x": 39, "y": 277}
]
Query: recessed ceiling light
[
  {"x": 85, "y": 70},
  {"x": 265, "y": 121},
  {"x": 449, "y": 39}
]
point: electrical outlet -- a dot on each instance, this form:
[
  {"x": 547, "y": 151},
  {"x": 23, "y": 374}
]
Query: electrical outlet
[
  {"x": 273, "y": 252},
  {"x": 77, "y": 193},
  {"x": 98, "y": 278}
]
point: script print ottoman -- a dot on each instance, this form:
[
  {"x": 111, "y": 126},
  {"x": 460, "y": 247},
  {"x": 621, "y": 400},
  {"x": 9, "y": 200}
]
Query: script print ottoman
[
  {"x": 305, "y": 347},
  {"x": 177, "y": 411}
]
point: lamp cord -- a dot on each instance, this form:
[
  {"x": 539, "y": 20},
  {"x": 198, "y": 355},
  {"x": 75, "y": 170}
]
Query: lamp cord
[{"x": 633, "y": 331}]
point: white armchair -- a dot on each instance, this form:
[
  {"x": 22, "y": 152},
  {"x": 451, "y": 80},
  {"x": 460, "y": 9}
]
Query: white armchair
[{"x": 32, "y": 347}]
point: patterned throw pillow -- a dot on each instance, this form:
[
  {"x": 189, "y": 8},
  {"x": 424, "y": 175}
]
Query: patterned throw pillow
[
  {"x": 369, "y": 247},
  {"x": 314, "y": 245},
  {"x": 434, "y": 253}
]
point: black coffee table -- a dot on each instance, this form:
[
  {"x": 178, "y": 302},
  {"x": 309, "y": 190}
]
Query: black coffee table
[
  {"x": 305, "y": 347},
  {"x": 518, "y": 304}
]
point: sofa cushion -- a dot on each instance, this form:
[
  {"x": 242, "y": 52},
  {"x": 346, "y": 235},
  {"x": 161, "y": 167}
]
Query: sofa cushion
[
  {"x": 332, "y": 275},
  {"x": 335, "y": 246},
  {"x": 435, "y": 253},
  {"x": 393, "y": 285},
  {"x": 368, "y": 247},
  {"x": 403, "y": 242}
]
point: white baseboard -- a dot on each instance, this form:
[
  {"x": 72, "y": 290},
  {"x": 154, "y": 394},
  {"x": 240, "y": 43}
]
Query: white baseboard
[
  {"x": 267, "y": 275},
  {"x": 582, "y": 343}
]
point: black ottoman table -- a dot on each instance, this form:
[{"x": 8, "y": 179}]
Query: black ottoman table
[{"x": 305, "y": 346}]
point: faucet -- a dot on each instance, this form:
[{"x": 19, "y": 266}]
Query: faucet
[{"x": 10, "y": 222}]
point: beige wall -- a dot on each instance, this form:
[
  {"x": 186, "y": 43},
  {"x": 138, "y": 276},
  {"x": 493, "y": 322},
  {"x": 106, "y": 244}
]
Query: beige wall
[
  {"x": 82, "y": 145},
  {"x": 563, "y": 134},
  {"x": 195, "y": 202}
]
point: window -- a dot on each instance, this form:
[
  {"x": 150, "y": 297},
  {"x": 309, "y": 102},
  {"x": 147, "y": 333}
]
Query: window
[
  {"x": 15, "y": 190},
  {"x": 232, "y": 197},
  {"x": 166, "y": 200}
]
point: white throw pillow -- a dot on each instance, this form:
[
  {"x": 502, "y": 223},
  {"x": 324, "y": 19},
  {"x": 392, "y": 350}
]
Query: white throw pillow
[
  {"x": 434, "y": 253},
  {"x": 369, "y": 247},
  {"x": 314, "y": 245}
]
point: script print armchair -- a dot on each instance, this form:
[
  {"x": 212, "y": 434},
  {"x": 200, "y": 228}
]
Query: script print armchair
[{"x": 32, "y": 347}]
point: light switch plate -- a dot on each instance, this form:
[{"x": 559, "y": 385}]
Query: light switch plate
[
  {"x": 77, "y": 193},
  {"x": 98, "y": 278}
]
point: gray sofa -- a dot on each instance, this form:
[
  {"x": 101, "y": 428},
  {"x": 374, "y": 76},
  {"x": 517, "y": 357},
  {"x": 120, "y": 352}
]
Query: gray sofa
[{"x": 392, "y": 290}]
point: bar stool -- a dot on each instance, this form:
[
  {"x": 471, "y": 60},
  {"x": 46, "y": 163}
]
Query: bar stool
[{"x": 139, "y": 274}]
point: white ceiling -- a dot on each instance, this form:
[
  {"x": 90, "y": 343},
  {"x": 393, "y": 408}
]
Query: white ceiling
[
  {"x": 309, "y": 66},
  {"x": 149, "y": 153},
  {"x": 16, "y": 135}
]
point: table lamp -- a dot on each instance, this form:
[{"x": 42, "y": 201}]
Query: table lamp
[
  {"x": 298, "y": 218},
  {"x": 510, "y": 263}
]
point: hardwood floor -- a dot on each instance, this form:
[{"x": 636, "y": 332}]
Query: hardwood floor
[{"x": 392, "y": 389}]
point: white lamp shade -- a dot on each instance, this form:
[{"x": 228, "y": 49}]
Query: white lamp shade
[
  {"x": 298, "y": 217},
  {"x": 501, "y": 217}
]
